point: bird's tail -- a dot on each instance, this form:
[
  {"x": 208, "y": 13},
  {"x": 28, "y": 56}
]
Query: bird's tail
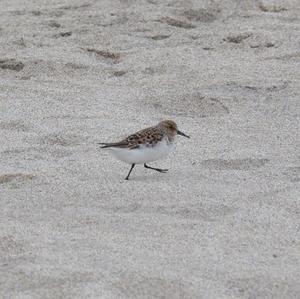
[
  {"x": 105, "y": 145},
  {"x": 113, "y": 144}
]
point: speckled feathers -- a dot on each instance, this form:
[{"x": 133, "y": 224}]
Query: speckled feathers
[{"x": 147, "y": 137}]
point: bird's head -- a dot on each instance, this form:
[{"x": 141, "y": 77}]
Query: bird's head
[{"x": 170, "y": 128}]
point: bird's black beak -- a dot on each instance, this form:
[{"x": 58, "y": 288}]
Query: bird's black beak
[{"x": 182, "y": 134}]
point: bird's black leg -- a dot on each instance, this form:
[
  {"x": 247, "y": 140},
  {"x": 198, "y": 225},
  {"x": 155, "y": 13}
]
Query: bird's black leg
[
  {"x": 157, "y": 169},
  {"x": 132, "y": 166}
]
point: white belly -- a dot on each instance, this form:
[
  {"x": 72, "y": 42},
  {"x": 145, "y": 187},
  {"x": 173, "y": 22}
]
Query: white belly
[{"x": 143, "y": 154}]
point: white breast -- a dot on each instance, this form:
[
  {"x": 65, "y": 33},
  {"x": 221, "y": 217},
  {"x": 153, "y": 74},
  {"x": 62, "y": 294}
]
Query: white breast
[{"x": 143, "y": 154}]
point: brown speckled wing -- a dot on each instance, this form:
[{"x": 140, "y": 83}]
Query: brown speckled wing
[{"x": 149, "y": 137}]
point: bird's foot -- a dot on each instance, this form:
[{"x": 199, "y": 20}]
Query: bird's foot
[{"x": 157, "y": 169}]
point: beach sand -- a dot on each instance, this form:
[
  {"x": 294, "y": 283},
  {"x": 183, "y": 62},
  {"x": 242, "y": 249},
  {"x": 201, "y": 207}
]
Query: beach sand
[{"x": 224, "y": 222}]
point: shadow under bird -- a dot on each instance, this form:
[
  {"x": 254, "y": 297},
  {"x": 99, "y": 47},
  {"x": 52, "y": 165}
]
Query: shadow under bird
[{"x": 145, "y": 146}]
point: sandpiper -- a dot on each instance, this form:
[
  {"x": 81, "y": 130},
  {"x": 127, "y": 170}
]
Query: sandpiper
[{"x": 145, "y": 146}]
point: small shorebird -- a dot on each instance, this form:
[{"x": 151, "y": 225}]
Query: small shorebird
[{"x": 147, "y": 145}]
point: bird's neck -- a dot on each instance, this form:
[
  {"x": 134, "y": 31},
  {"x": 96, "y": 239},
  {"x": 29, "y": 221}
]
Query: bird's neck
[{"x": 170, "y": 139}]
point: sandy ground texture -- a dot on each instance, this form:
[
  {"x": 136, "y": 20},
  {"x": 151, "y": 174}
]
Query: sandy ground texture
[{"x": 224, "y": 222}]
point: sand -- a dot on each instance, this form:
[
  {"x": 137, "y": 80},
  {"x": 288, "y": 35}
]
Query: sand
[{"x": 224, "y": 222}]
